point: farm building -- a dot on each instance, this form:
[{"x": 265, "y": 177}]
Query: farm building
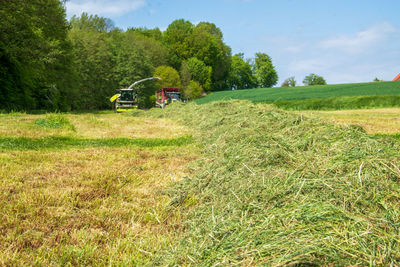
[{"x": 397, "y": 78}]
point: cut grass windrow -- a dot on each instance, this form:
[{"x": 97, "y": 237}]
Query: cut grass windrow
[
  {"x": 25, "y": 143},
  {"x": 277, "y": 188}
]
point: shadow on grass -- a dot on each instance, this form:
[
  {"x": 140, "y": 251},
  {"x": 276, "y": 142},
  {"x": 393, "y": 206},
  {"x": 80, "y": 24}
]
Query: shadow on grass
[
  {"x": 395, "y": 136},
  {"x": 24, "y": 143}
]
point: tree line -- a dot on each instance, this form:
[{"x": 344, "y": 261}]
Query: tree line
[
  {"x": 50, "y": 63},
  {"x": 309, "y": 80}
]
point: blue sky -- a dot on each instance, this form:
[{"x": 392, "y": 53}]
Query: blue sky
[{"x": 345, "y": 41}]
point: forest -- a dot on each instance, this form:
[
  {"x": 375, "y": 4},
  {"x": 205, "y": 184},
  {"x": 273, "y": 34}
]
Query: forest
[{"x": 51, "y": 63}]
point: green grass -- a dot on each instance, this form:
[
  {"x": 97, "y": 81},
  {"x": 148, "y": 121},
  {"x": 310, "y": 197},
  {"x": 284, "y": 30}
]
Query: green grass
[
  {"x": 327, "y": 92},
  {"x": 340, "y": 103},
  {"x": 393, "y": 136},
  {"x": 55, "y": 121},
  {"x": 52, "y": 142},
  {"x": 276, "y": 188}
]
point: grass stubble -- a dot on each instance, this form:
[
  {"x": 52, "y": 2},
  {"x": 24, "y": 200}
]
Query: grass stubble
[
  {"x": 88, "y": 204},
  {"x": 375, "y": 121},
  {"x": 279, "y": 188}
]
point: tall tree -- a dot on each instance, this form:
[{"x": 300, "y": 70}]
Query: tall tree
[
  {"x": 33, "y": 42},
  {"x": 264, "y": 70},
  {"x": 241, "y": 74},
  {"x": 95, "y": 64},
  {"x": 176, "y": 37},
  {"x": 204, "y": 42},
  {"x": 207, "y": 44}
]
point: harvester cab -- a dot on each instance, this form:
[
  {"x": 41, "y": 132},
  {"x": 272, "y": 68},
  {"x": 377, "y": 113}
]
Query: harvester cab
[
  {"x": 127, "y": 98},
  {"x": 167, "y": 95},
  {"x": 124, "y": 99}
]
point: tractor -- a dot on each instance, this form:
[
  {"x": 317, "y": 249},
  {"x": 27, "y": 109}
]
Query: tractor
[
  {"x": 127, "y": 98},
  {"x": 166, "y": 96}
]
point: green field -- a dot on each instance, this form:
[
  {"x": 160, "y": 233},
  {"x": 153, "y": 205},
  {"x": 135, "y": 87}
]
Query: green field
[
  {"x": 307, "y": 92},
  {"x": 226, "y": 183}
]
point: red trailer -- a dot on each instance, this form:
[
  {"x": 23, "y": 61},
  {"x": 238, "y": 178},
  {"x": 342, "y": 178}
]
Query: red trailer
[{"x": 166, "y": 96}]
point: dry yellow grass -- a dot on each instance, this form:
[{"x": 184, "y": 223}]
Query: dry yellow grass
[
  {"x": 374, "y": 121},
  {"x": 92, "y": 206},
  {"x": 92, "y": 126}
]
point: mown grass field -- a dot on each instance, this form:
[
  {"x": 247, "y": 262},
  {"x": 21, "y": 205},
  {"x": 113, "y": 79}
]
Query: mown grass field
[
  {"x": 225, "y": 183},
  {"x": 88, "y": 189},
  {"x": 357, "y": 95},
  {"x": 374, "y": 121}
]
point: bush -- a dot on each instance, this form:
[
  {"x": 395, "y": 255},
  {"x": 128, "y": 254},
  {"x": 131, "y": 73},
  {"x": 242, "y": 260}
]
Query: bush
[
  {"x": 193, "y": 90},
  {"x": 170, "y": 77}
]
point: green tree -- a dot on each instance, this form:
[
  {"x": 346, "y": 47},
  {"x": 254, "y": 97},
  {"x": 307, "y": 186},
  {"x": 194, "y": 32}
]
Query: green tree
[
  {"x": 155, "y": 33},
  {"x": 92, "y": 23},
  {"x": 176, "y": 38},
  {"x": 195, "y": 69},
  {"x": 241, "y": 74},
  {"x": 206, "y": 44},
  {"x": 314, "y": 79},
  {"x": 185, "y": 74},
  {"x": 193, "y": 90},
  {"x": 36, "y": 55},
  {"x": 265, "y": 72},
  {"x": 154, "y": 49},
  {"x": 291, "y": 81},
  {"x": 107, "y": 60},
  {"x": 132, "y": 64},
  {"x": 94, "y": 62},
  {"x": 170, "y": 77}
]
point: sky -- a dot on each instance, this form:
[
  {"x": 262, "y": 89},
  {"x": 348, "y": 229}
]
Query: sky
[{"x": 345, "y": 41}]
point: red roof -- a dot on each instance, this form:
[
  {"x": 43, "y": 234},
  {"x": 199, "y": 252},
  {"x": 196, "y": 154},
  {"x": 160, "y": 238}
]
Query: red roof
[{"x": 397, "y": 78}]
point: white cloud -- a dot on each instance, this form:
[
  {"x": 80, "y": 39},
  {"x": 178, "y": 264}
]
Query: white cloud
[
  {"x": 307, "y": 65},
  {"x": 357, "y": 57},
  {"x": 295, "y": 49},
  {"x": 103, "y": 7},
  {"x": 361, "y": 40}
]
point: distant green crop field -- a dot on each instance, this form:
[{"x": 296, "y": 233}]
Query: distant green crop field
[{"x": 306, "y": 92}]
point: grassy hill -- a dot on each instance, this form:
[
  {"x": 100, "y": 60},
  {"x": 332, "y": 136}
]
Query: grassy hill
[{"x": 321, "y": 95}]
